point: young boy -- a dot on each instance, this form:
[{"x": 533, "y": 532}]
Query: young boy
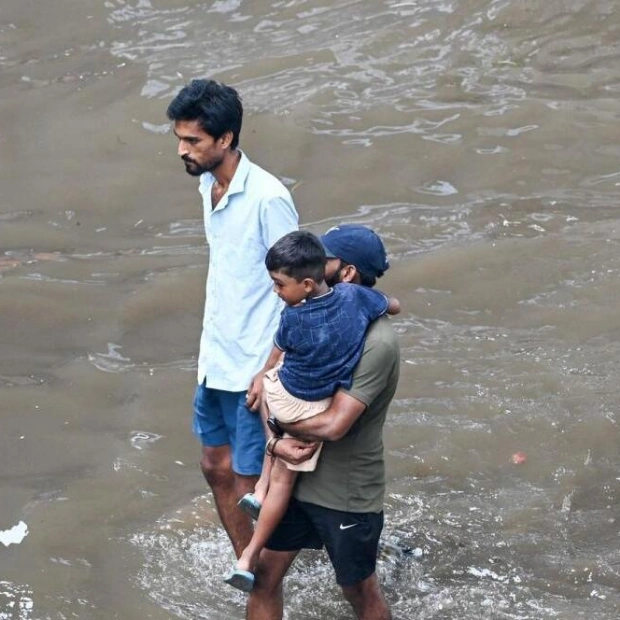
[{"x": 321, "y": 334}]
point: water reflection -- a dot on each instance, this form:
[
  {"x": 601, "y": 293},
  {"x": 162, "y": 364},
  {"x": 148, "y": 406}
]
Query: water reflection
[
  {"x": 15, "y": 601},
  {"x": 443, "y": 556}
]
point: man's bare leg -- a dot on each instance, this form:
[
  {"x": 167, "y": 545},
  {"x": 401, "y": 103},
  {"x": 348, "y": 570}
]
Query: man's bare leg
[
  {"x": 266, "y": 601},
  {"x": 367, "y": 600},
  {"x": 228, "y": 487}
]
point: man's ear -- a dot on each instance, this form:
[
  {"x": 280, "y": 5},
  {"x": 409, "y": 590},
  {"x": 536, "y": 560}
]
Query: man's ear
[
  {"x": 226, "y": 139},
  {"x": 349, "y": 273}
]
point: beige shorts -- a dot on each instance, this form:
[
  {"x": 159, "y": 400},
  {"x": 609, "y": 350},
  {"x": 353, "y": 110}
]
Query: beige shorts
[{"x": 287, "y": 408}]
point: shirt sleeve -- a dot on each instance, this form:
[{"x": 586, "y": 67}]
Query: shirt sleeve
[
  {"x": 374, "y": 303},
  {"x": 279, "y": 340},
  {"x": 278, "y": 218}
]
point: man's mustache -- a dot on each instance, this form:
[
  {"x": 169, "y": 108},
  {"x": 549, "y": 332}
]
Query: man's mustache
[{"x": 188, "y": 160}]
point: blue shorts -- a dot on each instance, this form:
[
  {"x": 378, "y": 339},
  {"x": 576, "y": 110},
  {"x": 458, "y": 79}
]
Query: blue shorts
[
  {"x": 350, "y": 538},
  {"x": 221, "y": 418}
]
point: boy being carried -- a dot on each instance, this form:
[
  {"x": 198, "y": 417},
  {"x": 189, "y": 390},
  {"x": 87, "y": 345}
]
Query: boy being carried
[{"x": 321, "y": 335}]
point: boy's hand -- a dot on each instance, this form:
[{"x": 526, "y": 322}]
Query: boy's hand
[
  {"x": 295, "y": 451},
  {"x": 252, "y": 399}
]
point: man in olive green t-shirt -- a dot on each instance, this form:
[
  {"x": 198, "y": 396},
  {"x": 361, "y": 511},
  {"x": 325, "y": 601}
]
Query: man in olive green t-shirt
[{"x": 339, "y": 506}]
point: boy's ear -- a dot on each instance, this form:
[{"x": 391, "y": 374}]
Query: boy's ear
[{"x": 308, "y": 284}]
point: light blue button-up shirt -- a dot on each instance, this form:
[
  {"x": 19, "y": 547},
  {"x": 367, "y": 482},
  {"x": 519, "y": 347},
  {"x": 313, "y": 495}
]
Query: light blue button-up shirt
[{"x": 241, "y": 310}]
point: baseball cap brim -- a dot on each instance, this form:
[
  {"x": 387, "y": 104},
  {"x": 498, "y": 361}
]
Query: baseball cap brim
[{"x": 328, "y": 252}]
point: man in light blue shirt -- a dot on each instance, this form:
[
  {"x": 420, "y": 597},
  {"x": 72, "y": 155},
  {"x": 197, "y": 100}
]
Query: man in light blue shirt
[{"x": 246, "y": 210}]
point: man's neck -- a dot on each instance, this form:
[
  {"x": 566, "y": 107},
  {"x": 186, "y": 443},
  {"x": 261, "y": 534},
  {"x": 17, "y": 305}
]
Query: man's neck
[{"x": 226, "y": 170}]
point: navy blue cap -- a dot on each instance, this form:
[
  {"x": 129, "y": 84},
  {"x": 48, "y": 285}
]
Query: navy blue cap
[{"x": 357, "y": 245}]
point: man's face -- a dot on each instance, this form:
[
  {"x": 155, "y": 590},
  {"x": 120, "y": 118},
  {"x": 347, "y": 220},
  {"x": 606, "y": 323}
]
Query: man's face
[
  {"x": 333, "y": 271},
  {"x": 199, "y": 151},
  {"x": 337, "y": 271}
]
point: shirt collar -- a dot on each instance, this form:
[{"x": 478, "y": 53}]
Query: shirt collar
[
  {"x": 320, "y": 297},
  {"x": 237, "y": 183}
]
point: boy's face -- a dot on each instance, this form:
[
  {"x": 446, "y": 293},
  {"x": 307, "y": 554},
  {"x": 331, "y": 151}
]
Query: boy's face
[{"x": 290, "y": 290}]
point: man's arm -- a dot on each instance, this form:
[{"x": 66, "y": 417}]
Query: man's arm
[
  {"x": 277, "y": 218},
  {"x": 331, "y": 425},
  {"x": 379, "y": 358}
]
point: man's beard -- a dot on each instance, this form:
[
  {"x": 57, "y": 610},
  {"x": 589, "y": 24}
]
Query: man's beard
[
  {"x": 192, "y": 168},
  {"x": 334, "y": 279},
  {"x": 195, "y": 169}
]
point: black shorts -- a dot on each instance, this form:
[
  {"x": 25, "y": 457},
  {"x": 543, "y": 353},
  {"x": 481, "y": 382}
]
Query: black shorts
[{"x": 350, "y": 538}]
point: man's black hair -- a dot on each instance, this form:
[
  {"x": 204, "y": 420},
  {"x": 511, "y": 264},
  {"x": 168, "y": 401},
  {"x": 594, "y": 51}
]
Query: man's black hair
[
  {"x": 298, "y": 255},
  {"x": 215, "y": 106},
  {"x": 367, "y": 281}
]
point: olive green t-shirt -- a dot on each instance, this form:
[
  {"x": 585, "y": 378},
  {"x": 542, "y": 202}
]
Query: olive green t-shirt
[{"x": 350, "y": 474}]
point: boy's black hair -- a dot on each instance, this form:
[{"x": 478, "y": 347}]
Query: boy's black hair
[
  {"x": 215, "y": 106},
  {"x": 298, "y": 255}
]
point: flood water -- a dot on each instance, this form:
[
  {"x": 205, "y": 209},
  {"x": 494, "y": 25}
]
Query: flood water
[{"x": 478, "y": 137}]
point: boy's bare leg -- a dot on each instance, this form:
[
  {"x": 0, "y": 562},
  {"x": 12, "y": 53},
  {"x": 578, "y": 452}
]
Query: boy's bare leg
[
  {"x": 281, "y": 483},
  {"x": 262, "y": 486}
]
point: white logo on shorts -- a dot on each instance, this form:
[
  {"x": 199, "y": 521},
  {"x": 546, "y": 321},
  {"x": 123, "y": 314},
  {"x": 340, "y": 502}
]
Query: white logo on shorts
[{"x": 346, "y": 527}]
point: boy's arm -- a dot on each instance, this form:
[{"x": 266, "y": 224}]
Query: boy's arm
[
  {"x": 272, "y": 360},
  {"x": 255, "y": 389},
  {"x": 393, "y": 305}
]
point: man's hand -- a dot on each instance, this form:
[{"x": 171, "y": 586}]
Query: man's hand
[
  {"x": 294, "y": 451},
  {"x": 255, "y": 392}
]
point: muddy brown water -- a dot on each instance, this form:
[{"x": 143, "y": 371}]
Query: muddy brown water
[{"x": 479, "y": 138}]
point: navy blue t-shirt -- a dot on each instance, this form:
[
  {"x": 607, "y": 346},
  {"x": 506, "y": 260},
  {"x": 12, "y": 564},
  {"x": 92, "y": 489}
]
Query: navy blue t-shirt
[{"x": 323, "y": 339}]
